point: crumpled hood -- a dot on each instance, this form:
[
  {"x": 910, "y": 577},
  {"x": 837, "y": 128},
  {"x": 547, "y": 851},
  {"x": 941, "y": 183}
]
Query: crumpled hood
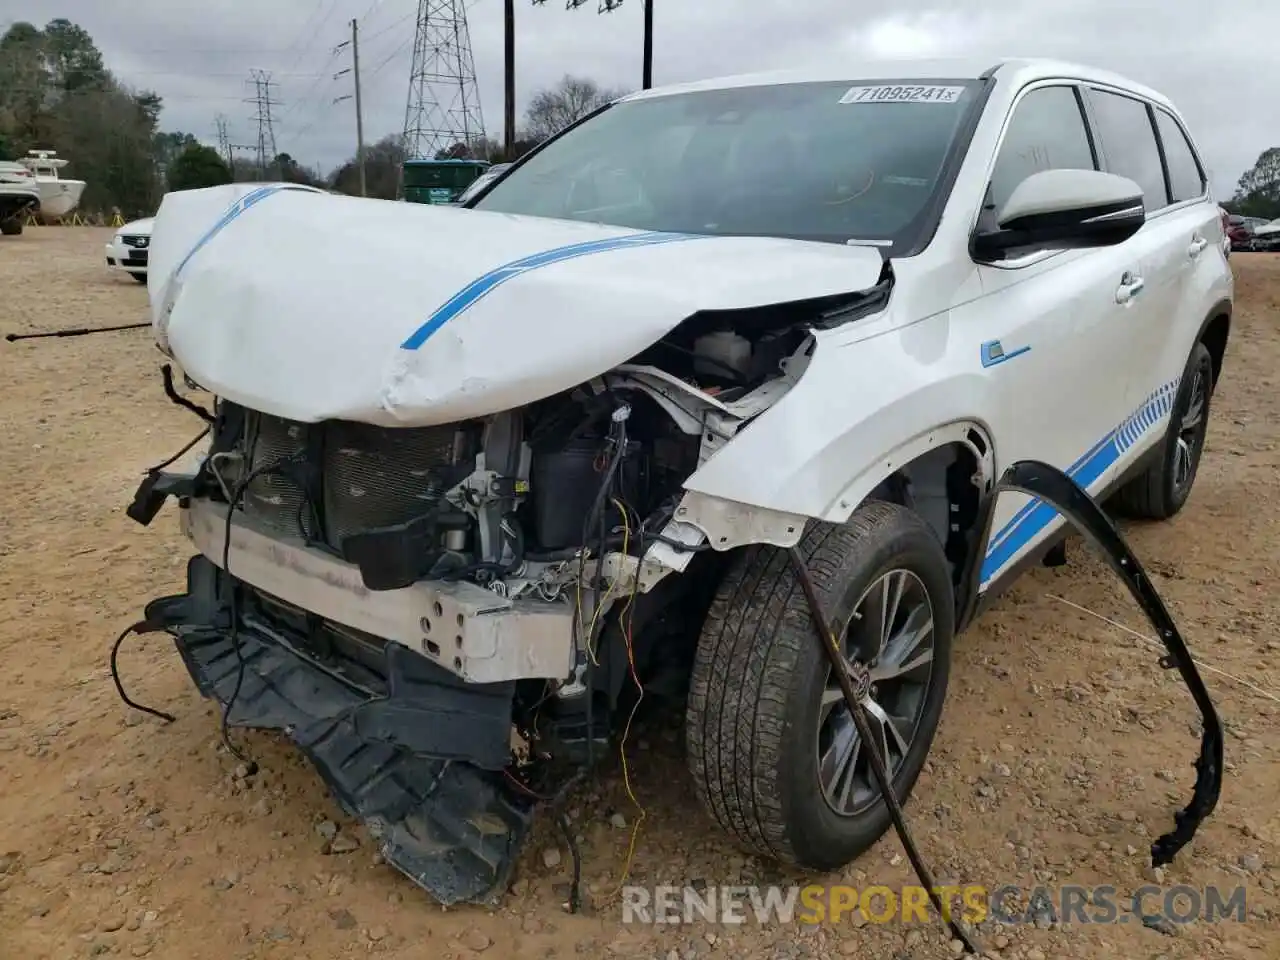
[{"x": 313, "y": 306}]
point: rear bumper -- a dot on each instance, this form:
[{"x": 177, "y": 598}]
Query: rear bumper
[{"x": 418, "y": 759}]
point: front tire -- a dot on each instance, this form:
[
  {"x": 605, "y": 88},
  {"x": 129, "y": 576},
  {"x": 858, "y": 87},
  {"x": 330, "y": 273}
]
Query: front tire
[
  {"x": 11, "y": 228},
  {"x": 772, "y": 749},
  {"x": 1162, "y": 490},
  {"x": 140, "y": 277}
]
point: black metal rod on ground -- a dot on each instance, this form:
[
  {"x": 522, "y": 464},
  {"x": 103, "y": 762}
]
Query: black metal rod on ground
[
  {"x": 75, "y": 331},
  {"x": 853, "y": 700}
]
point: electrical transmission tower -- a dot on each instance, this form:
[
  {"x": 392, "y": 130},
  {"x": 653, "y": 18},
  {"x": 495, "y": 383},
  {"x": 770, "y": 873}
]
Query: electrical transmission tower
[
  {"x": 224, "y": 139},
  {"x": 443, "y": 107},
  {"x": 263, "y": 102}
]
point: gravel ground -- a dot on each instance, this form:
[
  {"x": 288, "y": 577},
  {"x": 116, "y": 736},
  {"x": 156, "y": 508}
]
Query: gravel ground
[{"x": 1064, "y": 748}]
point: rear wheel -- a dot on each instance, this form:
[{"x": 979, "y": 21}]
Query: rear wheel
[
  {"x": 1161, "y": 491},
  {"x": 773, "y": 751},
  {"x": 11, "y": 227},
  {"x": 140, "y": 277}
]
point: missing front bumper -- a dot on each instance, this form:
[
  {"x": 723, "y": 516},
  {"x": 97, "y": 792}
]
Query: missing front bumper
[{"x": 419, "y": 761}]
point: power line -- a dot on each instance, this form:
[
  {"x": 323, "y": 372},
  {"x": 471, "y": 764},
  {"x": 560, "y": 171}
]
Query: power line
[
  {"x": 400, "y": 48},
  {"x": 400, "y": 22},
  {"x": 443, "y": 106},
  {"x": 197, "y": 73},
  {"x": 314, "y": 33}
]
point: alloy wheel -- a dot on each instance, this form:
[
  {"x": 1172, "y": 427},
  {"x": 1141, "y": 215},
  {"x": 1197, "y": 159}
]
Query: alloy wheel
[
  {"x": 1190, "y": 432},
  {"x": 891, "y": 633}
]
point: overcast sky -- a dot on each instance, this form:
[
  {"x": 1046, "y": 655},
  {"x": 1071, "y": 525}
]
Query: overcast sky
[{"x": 1211, "y": 58}]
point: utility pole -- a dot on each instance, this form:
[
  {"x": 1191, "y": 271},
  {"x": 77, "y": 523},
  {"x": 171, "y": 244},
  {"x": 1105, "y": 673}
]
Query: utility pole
[
  {"x": 354, "y": 70},
  {"x": 647, "y": 75},
  {"x": 509, "y": 82},
  {"x": 608, "y": 6},
  {"x": 355, "y": 67}
]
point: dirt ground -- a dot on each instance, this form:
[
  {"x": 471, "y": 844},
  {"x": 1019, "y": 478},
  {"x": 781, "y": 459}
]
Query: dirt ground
[{"x": 1064, "y": 748}]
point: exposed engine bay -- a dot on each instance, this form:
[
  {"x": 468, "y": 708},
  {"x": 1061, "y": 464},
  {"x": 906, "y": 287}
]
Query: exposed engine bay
[
  {"x": 569, "y": 501},
  {"x": 524, "y": 557}
]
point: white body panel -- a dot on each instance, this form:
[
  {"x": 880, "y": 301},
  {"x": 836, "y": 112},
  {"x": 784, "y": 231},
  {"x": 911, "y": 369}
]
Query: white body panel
[
  {"x": 428, "y": 315},
  {"x": 444, "y": 314}
]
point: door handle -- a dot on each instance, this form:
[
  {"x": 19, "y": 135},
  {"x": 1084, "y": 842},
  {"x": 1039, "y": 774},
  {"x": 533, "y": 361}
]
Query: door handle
[
  {"x": 1130, "y": 287},
  {"x": 1197, "y": 245}
]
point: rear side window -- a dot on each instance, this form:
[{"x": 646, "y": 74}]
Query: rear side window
[
  {"x": 1046, "y": 132},
  {"x": 1185, "y": 176},
  {"x": 1129, "y": 142}
]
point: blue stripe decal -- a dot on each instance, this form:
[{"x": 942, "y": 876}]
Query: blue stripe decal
[
  {"x": 232, "y": 212},
  {"x": 1026, "y": 509},
  {"x": 992, "y": 352},
  {"x": 481, "y": 287},
  {"x": 1035, "y": 516}
]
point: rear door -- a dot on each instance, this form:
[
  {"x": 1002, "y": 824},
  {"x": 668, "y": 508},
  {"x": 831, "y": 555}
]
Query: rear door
[
  {"x": 1179, "y": 251},
  {"x": 1053, "y": 325}
]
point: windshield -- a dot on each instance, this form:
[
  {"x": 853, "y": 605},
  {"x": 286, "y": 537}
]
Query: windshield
[
  {"x": 482, "y": 181},
  {"x": 814, "y": 161}
]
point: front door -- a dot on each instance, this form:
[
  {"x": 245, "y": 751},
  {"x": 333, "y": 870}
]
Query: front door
[{"x": 1054, "y": 326}]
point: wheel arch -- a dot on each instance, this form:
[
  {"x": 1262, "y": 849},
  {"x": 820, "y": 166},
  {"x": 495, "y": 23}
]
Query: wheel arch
[
  {"x": 944, "y": 476},
  {"x": 1214, "y": 333}
]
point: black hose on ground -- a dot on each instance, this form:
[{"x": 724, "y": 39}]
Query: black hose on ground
[{"x": 855, "y": 689}]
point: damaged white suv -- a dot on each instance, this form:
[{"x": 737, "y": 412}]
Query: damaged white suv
[{"x": 530, "y": 456}]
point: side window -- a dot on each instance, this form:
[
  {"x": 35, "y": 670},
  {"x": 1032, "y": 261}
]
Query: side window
[
  {"x": 1129, "y": 141},
  {"x": 1046, "y": 132},
  {"x": 1185, "y": 176}
]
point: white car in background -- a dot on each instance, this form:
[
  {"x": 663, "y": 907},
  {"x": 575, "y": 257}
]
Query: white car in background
[{"x": 129, "y": 249}]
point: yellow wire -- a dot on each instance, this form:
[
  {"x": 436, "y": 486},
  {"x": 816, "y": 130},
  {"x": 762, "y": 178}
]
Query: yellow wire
[{"x": 626, "y": 618}]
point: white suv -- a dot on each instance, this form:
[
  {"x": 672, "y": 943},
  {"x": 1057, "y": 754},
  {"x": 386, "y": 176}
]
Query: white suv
[{"x": 508, "y": 463}]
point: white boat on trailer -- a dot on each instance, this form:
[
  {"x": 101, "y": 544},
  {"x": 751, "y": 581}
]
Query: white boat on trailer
[{"x": 58, "y": 196}]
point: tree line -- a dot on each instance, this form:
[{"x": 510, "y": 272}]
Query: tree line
[
  {"x": 57, "y": 93},
  {"x": 1258, "y": 192}
]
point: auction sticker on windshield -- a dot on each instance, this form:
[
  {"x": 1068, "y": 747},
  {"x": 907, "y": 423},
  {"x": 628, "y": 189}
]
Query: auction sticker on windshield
[{"x": 902, "y": 94}]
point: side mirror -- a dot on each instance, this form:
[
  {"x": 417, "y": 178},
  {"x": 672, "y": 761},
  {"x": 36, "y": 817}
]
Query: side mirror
[{"x": 1066, "y": 210}]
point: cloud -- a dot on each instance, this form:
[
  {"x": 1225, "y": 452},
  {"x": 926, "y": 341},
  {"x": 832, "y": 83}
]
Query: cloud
[{"x": 1208, "y": 58}]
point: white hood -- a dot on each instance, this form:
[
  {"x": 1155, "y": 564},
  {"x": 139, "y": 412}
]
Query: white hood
[
  {"x": 138, "y": 228},
  {"x": 312, "y": 306}
]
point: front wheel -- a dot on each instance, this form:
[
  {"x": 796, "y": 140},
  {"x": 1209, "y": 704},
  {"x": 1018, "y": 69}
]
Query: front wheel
[
  {"x": 11, "y": 227},
  {"x": 140, "y": 277},
  {"x": 1162, "y": 490},
  {"x": 775, "y": 757}
]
